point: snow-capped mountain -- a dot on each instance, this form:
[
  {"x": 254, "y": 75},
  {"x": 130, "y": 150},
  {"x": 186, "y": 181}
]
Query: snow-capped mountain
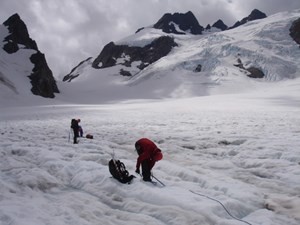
[
  {"x": 219, "y": 62},
  {"x": 23, "y": 68},
  {"x": 173, "y": 58}
]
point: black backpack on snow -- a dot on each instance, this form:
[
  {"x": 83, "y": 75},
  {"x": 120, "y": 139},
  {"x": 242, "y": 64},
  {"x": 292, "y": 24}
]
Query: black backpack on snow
[{"x": 119, "y": 172}]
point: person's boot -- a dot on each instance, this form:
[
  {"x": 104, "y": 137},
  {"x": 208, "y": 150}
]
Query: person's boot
[{"x": 147, "y": 179}]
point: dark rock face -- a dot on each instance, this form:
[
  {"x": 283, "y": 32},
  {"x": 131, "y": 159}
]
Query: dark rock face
[
  {"x": 186, "y": 22},
  {"x": 220, "y": 25},
  {"x": 142, "y": 28},
  {"x": 159, "y": 48},
  {"x": 253, "y": 71},
  {"x": 295, "y": 31},
  {"x": 42, "y": 80},
  {"x": 208, "y": 27},
  {"x": 254, "y": 15},
  {"x": 125, "y": 73},
  {"x": 198, "y": 68},
  {"x": 18, "y": 35}
]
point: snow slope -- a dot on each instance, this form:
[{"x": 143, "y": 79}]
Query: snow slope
[{"x": 241, "y": 150}]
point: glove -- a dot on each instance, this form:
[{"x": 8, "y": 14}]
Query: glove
[{"x": 137, "y": 170}]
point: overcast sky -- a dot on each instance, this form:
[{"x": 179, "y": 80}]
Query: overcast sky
[{"x": 69, "y": 31}]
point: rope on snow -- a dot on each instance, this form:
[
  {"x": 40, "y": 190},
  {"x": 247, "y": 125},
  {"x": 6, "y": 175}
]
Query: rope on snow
[{"x": 221, "y": 205}]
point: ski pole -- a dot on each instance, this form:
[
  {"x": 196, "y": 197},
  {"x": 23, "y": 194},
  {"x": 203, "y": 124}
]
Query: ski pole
[{"x": 158, "y": 180}]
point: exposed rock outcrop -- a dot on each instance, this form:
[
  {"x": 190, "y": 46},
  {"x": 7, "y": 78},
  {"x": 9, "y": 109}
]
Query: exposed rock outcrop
[
  {"x": 198, "y": 68},
  {"x": 179, "y": 23},
  {"x": 208, "y": 27},
  {"x": 220, "y": 25},
  {"x": 253, "y": 72},
  {"x": 74, "y": 72},
  {"x": 142, "y": 28},
  {"x": 254, "y": 15},
  {"x": 148, "y": 54},
  {"x": 295, "y": 31},
  {"x": 18, "y": 35},
  {"x": 125, "y": 73},
  {"x": 42, "y": 80}
]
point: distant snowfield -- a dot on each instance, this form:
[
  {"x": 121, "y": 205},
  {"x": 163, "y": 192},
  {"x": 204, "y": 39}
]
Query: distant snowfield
[{"x": 241, "y": 150}]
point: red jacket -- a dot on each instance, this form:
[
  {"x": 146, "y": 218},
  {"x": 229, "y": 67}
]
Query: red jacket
[{"x": 148, "y": 151}]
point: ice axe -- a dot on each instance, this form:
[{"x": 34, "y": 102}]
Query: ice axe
[{"x": 158, "y": 180}]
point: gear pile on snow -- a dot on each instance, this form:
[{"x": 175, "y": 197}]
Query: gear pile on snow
[{"x": 119, "y": 172}]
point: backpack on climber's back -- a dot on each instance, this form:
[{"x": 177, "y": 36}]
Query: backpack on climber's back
[
  {"x": 74, "y": 123},
  {"x": 119, "y": 172}
]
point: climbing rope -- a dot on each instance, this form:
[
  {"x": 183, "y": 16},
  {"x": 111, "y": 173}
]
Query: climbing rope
[{"x": 221, "y": 205}]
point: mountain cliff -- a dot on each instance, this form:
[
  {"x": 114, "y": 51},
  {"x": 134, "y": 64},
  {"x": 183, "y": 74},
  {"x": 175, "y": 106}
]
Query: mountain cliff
[{"x": 18, "y": 39}]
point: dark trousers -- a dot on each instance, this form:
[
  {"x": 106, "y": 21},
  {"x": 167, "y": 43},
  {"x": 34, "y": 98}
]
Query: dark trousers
[
  {"x": 75, "y": 136},
  {"x": 147, "y": 165}
]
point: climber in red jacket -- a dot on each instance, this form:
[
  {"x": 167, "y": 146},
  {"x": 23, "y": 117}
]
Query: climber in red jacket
[{"x": 148, "y": 153}]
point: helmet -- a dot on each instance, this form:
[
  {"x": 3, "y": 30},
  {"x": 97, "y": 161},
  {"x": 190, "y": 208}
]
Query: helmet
[{"x": 78, "y": 120}]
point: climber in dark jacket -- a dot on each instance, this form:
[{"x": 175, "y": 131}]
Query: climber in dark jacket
[{"x": 75, "y": 127}]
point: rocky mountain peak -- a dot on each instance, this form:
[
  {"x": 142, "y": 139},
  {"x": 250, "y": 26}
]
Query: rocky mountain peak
[
  {"x": 18, "y": 35},
  {"x": 220, "y": 25},
  {"x": 41, "y": 78},
  {"x": 254, "y": 15},
  {"x": 179, "y": 23}
]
